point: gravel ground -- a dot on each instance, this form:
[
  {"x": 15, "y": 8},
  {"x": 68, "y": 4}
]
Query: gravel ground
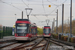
[{"x": 56, "y": 47}]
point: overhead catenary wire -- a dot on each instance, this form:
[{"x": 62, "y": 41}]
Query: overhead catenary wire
[
  {"x": 25, "y": 3},
  {"x": 35, "y": 16},
  {"x": 43, "y": 6},
  {"x": 10, "y": 5},
  {"x": 28, "y": 2},
  {"x": 43, "y": 9},
  {"x": 54, "y": 9},
  {"x": 57, "y": 7},
  {"x": 52, "y": 3},
  {"x": 55, "y": 4}
]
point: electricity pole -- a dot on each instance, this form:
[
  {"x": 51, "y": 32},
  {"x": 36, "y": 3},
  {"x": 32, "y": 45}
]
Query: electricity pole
[
  {"x": 62, "y": 16},
  {"x": 71, "y": 18},
  {"x": 57, "y": 22},
  {"x": 53, "y": 25}
]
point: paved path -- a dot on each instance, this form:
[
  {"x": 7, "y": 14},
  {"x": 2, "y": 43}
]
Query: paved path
[{"x": 7, "y": 38}]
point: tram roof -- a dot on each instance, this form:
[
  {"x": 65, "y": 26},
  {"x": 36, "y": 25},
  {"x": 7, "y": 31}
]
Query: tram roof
[
  {"x": 22, "y": 20},
  {"x": 46, "y": 26}
]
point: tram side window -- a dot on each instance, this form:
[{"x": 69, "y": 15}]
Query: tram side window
[
  {"x": 34, "y": 31},
  {"x": 50, "y": 30},
  {"x": 29, "y": 31}
]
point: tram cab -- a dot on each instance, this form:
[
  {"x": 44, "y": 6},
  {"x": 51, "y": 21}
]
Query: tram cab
[
  {"x": 22, "y": 29},
  {"x": 46, "y": 31}
]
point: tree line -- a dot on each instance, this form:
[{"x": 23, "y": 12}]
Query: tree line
[{"x": 66, "y": 28}]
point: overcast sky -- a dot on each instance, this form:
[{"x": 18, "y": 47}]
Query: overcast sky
[{"x": 8, "y": 9}]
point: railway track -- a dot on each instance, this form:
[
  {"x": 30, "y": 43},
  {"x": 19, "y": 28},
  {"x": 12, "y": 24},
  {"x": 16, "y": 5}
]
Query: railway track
[
  {"x": 65, "y": 46},
  {"x": 30, "y": 45},
  {"x": 46, "y": 45},
  {"x": 40, "y": 42},
  {"x": 7, "y": 41},
  {"x": 37, "y": 44},
  {"x": 17, "y": 46},
  {"x": 6, "y": 44},
  {"x": 41, "y": 45}
]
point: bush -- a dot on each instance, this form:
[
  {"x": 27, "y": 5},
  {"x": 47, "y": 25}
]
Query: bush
[
  {"x": 62, "y": 37},
  {"x": 55, "y": 36},
  {"x": 72, "y": 40},
  {"x": 40, "y": 31},
  {"x": 69, "y": 39},
  {"x": 65, "y": 38}
]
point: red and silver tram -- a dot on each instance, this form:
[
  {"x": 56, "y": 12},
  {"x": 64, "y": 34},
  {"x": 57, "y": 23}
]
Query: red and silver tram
[
  {"x": 46, "y": 31},
  {"x": 34, "y": 31},
  {"x": 23, "y": 27}
]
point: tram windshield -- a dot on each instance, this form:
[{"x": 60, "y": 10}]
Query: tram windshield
[
  {"x": 47, "y": 30},
  {"x": 21, "y": 28}
]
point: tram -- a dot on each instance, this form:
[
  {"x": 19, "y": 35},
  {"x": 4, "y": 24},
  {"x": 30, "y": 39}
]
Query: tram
[
  {"x": 46, "y": 31},
  {"x": 23, "y": 27}
]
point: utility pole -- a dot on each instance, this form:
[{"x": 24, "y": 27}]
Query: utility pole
[
  {"x": 71, "y": 18},
  {"x": 62, "y": 17},
  {"x": 22, "y": 14},
  {"x": 57, "y": 22},
  {"x": 53, "y": 25}
]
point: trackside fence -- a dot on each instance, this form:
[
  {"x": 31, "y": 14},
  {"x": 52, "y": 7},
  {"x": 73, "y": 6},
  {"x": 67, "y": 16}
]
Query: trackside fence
[{"x": 6, "y": 31}]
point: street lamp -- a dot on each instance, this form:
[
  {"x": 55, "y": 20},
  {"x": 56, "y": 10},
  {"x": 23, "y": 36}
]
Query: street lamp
[{"x": 28, "y": 11}]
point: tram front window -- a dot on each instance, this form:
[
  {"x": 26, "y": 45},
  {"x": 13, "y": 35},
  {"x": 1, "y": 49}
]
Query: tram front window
[
  {"x": 21, "y": 29},
  {"x": 47, "y": 31}
]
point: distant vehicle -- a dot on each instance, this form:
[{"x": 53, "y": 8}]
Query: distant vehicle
[
  {"x": 23, "y": 30},
  {"x": 46, "y": 31}
]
